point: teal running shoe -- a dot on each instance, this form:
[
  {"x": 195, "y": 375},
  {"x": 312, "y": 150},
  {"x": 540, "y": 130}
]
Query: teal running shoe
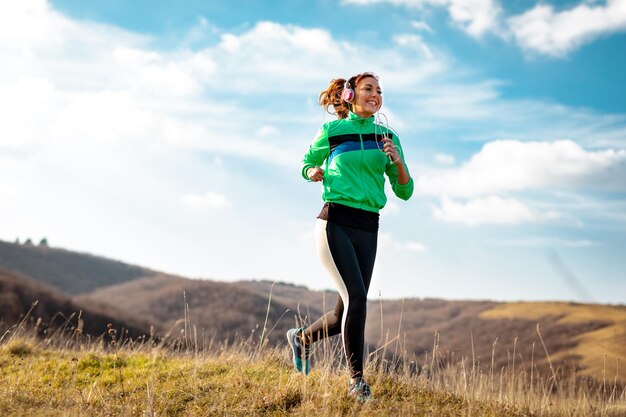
[
  {"x": 360, "y": 390},
  {"x": 300, "y": 353}
]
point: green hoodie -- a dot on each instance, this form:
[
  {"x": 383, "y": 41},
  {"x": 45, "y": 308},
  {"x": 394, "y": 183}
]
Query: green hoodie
[{"x": 350, "y": 153}]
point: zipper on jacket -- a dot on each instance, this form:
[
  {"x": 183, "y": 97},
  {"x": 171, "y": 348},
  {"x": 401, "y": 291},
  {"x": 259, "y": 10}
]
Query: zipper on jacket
[{"x": 364, "y": 191}]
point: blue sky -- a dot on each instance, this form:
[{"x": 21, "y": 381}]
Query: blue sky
[{"x": 169, "y": 134}]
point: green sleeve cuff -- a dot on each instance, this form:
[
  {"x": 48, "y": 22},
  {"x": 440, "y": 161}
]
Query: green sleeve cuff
[
  {"x": 404, "y": 191},
  {"x": 305, "y": 167}
]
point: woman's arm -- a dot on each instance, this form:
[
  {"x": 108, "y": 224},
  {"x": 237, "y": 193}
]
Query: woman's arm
[
  {"x": 397, "y": 171},
  {"x": 315, "y": 156}
]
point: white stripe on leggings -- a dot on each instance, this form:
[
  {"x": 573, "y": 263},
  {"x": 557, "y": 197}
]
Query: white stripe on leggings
[{"x": 323, "y": 251}]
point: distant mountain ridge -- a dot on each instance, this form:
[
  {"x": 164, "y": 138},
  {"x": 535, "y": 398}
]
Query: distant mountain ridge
[{"x": 69, "y": 272}]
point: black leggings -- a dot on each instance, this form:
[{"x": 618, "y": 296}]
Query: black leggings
[{"x": 348, "y": 254}]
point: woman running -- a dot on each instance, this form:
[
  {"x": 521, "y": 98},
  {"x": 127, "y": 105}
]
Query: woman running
[{"x": 350, "y": 156}]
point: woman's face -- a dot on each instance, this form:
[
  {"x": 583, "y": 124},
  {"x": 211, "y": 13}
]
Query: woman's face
[{"x": 368, "y": 97}]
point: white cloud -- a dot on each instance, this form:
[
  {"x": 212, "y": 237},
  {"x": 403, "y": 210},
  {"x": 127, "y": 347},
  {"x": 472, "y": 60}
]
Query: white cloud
[
  {"x": 103, "y": 85},
  {"x": 404, "y": 3},
  {"x": 150, "y": 71},
  {"x": 510, "y": 165},
  {"x": 471, "y": 101},
  {"x": 546, "y": 31},
  {"x": 6, "y": 193},
  {"x": 276, "y": 58},
  {"x": 81, "y": 86},
  {"x": 415, "y": 246},
  {"x": 104, "y": 88},
  {"x": 201, "y": 33},
  {"x": 391, "y": 207},
  {"x": 444, "y": 159},
  {"x": 422, "y": 26},
  {"x": 549, "y": 242},
  {"x": 583, "y": 243},
  {"x": 476, "y": 17},
  {"x": 414, "y": 41},
  {"x": 540, "y": 29},
  {"x": 387, "y": 243},
  {"x": 207, "y": 200},
  {"x": 268, "y": 131},
  {"x": 489, "y": 210},
  {"x": 467, "y": 108}
]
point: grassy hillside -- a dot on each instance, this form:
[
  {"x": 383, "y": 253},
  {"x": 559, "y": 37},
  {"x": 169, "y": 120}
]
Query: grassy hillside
[
  {"x": 598, "y": 343},
  {"x": 67, "y": 271},
  {"x": 586, "y": 340},
  {"x": 72, "y": 376},
  {"x": 49, "y": 310},
  {"x": 453, "y": 330}
]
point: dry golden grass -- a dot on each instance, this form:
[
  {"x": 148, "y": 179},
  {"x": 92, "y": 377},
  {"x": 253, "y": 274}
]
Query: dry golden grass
[
  {"x": 486, "y": 358},
  {"x": 237, "y": 380},
  {"x": 71, "y": 374},
  {"x": 601, "y": 351}
]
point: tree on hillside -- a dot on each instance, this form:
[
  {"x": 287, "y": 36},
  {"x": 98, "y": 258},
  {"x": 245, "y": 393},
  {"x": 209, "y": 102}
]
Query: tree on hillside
[
  {"x": 28, "y": 242},
  {"x": 43, "y": 242}
]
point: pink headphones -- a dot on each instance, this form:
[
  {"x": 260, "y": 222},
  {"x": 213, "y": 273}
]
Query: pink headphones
[{"x": 348, "y": 92}]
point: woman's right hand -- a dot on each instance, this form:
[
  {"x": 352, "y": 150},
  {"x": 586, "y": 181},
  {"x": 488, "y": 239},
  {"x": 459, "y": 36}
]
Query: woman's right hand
[{"x": 315, "y": 174}]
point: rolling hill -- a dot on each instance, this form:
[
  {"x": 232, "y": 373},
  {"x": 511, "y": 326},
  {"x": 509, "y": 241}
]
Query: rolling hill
[
  {"x": 588, "y": 338},
  {"x": 67, "y": 271},
  {"x": 49, "y": 309},
  {"x": 486, "y": 333},
  {"x": 217, "y": 310}
]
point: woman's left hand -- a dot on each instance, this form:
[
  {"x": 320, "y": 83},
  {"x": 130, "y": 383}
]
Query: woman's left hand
[{"x": 390, "y": 149}]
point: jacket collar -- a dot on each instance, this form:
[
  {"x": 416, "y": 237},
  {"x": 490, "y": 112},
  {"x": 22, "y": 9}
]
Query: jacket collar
[{"x": 353, "y": 117}]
